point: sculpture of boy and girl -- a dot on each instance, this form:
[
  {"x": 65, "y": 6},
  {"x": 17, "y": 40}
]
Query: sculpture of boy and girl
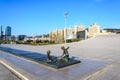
[{"x": 64, "y": 56}]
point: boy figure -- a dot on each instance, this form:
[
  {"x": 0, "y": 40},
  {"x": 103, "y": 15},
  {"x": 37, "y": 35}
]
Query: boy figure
[{"x": 65, "y": 54}]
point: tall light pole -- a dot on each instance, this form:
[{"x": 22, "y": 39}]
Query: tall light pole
[{"x": 65, "y": 15}]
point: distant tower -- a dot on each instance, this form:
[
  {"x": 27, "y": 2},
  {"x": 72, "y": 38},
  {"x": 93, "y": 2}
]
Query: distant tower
[
  {"x": 7, "y": 33},
  {"x": 1, "y": 33},
  {"x": 93, "y": 30}
]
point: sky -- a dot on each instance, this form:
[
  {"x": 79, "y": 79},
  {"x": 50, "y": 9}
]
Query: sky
[{"x": 37, "y": 17}]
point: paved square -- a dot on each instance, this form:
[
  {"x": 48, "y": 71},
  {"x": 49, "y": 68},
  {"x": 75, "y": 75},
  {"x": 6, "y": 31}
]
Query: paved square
[{"x": 99, "y": 54}]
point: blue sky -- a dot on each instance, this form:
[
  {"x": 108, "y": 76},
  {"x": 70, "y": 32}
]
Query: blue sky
[{"x": 36, "y": 17}]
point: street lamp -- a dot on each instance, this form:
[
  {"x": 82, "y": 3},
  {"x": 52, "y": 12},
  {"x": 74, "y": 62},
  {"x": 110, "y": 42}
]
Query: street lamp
[{"x": 65, "y": 15}]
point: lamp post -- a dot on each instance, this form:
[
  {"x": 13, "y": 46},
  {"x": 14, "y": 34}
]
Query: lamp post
[{"x": 65, "y": 15}]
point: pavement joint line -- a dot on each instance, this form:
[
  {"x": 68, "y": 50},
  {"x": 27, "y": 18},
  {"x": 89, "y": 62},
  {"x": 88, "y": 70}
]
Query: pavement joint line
[
  {"x": 14, "y": 71},
  {"x": 94, "y": 74}
]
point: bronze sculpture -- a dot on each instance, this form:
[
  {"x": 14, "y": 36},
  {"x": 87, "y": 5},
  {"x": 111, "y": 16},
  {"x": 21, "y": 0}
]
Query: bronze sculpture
[
  {"x": 65, "y": 55},
  {"x": 48, "y": 56}
]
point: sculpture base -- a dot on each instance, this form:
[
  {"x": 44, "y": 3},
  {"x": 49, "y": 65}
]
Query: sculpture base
[
  {"x": 41, "y": 58},
  {"x": 59, "y": 64}
]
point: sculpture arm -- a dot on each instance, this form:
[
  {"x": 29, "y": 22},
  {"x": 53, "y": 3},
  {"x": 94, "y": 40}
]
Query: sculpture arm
[{"x": 67, "y": 47}]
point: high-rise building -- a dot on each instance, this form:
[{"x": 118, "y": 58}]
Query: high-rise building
[
  {"x": 8, "y": 31},
  {"x": 1, "y": 36},
  {"x": 61, "y": 36},
  {"x": 53, "y": 35},
  {"x": 57, "y": 36},
  {"x": 78, "y": 28},
  {"x": 94, "y": 29}
]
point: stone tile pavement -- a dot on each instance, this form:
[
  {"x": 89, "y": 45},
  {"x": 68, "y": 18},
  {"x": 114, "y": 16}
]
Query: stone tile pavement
[
  {"x": 5, "y": 74},
  {"x": 103, "y": 48}
]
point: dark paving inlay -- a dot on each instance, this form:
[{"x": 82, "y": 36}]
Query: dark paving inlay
[{"x": 40, "y": 58}]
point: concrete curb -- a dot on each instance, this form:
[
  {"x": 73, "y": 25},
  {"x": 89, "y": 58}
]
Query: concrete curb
[{"x": 14, "y": 71}]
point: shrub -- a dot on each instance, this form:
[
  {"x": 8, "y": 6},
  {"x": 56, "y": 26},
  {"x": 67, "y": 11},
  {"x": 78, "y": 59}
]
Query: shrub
[{"x": 72, "y": 40}]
